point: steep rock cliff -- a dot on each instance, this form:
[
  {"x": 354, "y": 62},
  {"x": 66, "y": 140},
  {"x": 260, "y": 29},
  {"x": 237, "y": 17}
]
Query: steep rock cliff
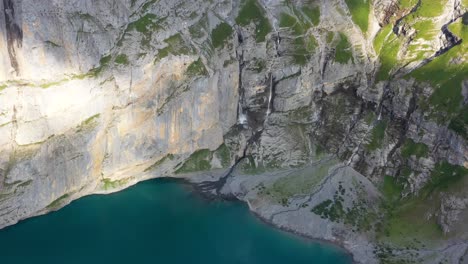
[{"x": 343, "y": 120}]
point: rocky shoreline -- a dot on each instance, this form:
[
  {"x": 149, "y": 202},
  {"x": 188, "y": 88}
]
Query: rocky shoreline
[{"x": 230, "y": 191}]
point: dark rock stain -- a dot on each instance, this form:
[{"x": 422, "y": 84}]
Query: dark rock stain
[{"x": 14, "y": 33}]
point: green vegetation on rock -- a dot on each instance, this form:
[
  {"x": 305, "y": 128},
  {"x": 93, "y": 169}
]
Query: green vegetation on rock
[
  {"x": 58, "y": 202},
  {"x": 221, "y": 34},
  {"x": 176, "y": 45},
  {"x": 381, "y": 37},
  {"x": 411, "y": 148},
  {"x": 360, "y": 10},
  {"x": 122, "y": 59},
  {"x": 89, "y": 123},
  {"x": 251, "y": 12},
  {"x": 146, "y": 25},
  {"x": 108, "y": 184},
  {"x": 303, "y": 45},
  {"x": 443, "y": 176},
  {"x": 343, "y": 52},
  {"x": 392, "y": 189},
  {"x": 446, "y": 101},
  {"x": 390, "y": 47},
  {"x": 198, "y": 161},
  {"x": 410, "y": 220},
  {"x": 201, "y": 159},
  {"x": 377, "y": 136},
  {"x": 432, "y": 8},
  {"x": 359, "y": 215},
  {"x": 224, "y": 155},
  {"x": 196, "y": 68},
  {"x": 313, "y": 13}
]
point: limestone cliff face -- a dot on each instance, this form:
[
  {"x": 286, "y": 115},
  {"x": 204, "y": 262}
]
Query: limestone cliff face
[{"x": 98, "y": 95}]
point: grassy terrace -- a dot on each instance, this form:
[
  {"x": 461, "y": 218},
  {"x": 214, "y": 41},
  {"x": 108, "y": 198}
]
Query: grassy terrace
[
  {"x": 446, "y": 101},
  {"x": 406, "y": 222},
  {"x": 251, "y": 12},
  {"x": 360, "y": 10}
]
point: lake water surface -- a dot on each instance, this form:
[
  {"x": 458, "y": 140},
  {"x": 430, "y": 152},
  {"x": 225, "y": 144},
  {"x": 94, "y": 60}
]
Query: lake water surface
[{"x": 157, "y": 221}]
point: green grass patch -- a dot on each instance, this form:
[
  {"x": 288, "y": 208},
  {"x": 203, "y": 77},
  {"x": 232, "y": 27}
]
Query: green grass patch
[
  {"x": 221, "y": 34},
  {"x": 108, "y": 184},
  {"x": 381, "y": 36},
  {"x": 224, "y": 155},
  {"x": 343, "y": 52},
  {"x": 198, "y": 161},
  {"x": 411, "y": 148},
  {"x": 196, "y": 68},
  {"x": 431, "y": 8},
  {"x": 89, "y": 123},
  {"x": 313, "y": 13},
  {"x": 443, "y": 176},
  {"x": 407, "y": 218},
  {"x": 103, "y": 63},
  {"x": 144, "y": 24},
  {"x": 122, "y": 59},
  {"x": 360, "y": 10},
  {"x": 391, "y": 188},
  {"x": 301, "y": 182},
  {"x": 358, "y": 215},
  {"x": 251, "y": 12},
  {"x": 330, "y": 37},
  {"x": 425, "y": 29},
  {"x": 175, "y": 46},
  {"x": 377, "y": 136},
  {"x": 407, "y": 3},
  {"x": 446, "y": 77},
  {"x": 388, "y": 57},
  {"x": 58, "y": 202},
  {"x": 302, "y": 46},
  {"x": 407, "y": 222}
]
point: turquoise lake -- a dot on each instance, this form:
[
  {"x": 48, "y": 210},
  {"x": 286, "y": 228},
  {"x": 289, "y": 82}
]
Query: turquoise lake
[{"x": 157, "y": 221}]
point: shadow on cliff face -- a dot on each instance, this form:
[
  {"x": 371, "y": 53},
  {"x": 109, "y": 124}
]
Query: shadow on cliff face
[
  {"x": 46, "y": 40},
  {"x": 14, "y": 33}
]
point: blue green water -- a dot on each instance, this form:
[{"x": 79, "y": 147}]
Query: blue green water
[{"x": 157, "y": 221}]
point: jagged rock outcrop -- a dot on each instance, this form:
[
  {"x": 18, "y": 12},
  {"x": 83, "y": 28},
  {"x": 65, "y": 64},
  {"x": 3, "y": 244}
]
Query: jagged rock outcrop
[{"x": 353, "y": 125}]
